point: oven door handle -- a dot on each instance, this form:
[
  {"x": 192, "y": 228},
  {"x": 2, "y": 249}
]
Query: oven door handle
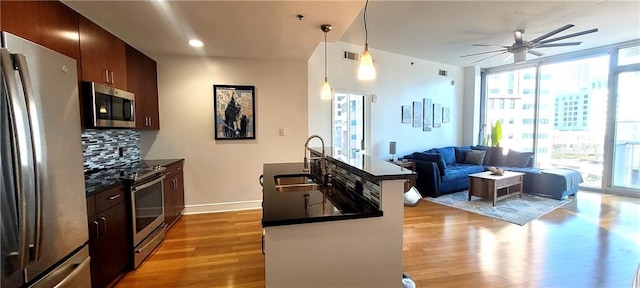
[{"x": 148, "y": 184}]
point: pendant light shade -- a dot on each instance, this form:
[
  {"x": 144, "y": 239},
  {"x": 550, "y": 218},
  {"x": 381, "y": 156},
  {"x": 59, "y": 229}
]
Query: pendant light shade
[
  {"x": 326, "y": 91},
  {"x": 366, "y": 71},
  {"x": 326, "y": 88}
]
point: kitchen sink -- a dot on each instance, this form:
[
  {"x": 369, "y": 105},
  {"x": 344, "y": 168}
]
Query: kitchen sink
[{"x": 295, "y": 182}]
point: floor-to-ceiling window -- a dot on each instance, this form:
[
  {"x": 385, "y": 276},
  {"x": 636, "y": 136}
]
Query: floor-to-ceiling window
[
  {"x": 572, "y": 116},
  {"x": 563, "y": 109},
  {"x": 625, "y": 168}
]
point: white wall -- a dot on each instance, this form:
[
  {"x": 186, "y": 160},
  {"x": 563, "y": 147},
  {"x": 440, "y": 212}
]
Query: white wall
[
  {"x": 471, "y": 106},
  {"x": 398, "y": 83},
  {"x": 223, "y": 175}
]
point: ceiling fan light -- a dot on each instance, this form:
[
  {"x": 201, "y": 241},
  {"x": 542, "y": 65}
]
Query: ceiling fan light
[
  {"x": 366, "y": 71},
  {"x": 326, "y": 91}
]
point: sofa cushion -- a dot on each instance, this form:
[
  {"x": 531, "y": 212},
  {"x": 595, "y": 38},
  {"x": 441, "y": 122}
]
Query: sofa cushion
[
  {"x": 475, "y": 157},
  {"x": 460, "y": 171},
  {"x": 448, "y": 154},
  {"x": 497, "y": 157},
  {"x": 487, "y": 155},
  {"x": 461, "y": 153},
  {"x": 432, "y": 157},
  {"x": 518, "y": 159}
]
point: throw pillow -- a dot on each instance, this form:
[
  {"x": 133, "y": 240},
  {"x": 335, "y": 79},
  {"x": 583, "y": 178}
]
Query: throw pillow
[
  {"x": 518, "y": 159},
  {"x": 432, "y": 157},
  {"x": 448, "y": 154},
  {"x": 498, "y": 158},
  {"x": 487, "y": 155},
  {"x": 461, "y": 153},
  {"x": 475, "y": 157}
]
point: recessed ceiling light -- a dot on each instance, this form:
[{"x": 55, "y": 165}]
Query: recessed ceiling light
[{"x": 195, "y": 43}]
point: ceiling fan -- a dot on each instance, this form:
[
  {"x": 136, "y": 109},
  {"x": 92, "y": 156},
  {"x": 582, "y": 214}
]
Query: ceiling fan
[{"x": 520, "y": 48}]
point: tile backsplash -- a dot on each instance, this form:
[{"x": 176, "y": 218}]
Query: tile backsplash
[{"x": 107, "y": 148}]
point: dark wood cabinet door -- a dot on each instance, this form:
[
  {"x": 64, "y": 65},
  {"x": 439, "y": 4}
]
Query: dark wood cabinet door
[
  {"x": 48, "y": 23},
  {"x": 109, "y": 235},
  {"x": 169, "y": 201},
  {"x": 93, "y": 52},
  {"x": 142, "y": 80},
  {"x": 179, "y": 193},
  {"x": 117, "y": 62},
  {"x": 151, "y": 98},
  {"x": 173, "y": 193},
  {"x": 98, "y": 254},
  {"x": 103, "y": 55}
]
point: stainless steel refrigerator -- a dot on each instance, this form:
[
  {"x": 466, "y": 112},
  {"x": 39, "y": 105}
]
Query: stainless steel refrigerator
[{"x": 44, "y": 230}]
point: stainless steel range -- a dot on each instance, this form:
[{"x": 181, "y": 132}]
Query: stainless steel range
[{"x": 147, "y": 209}]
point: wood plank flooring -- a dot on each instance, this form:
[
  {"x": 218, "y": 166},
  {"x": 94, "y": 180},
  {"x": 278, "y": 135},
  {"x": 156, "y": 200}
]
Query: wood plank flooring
[{"x": 590, "y": 242}]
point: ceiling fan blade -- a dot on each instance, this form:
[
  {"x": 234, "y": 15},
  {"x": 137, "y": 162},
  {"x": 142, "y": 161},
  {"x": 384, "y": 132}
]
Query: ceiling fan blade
[
  {"x": 520, "y": 56},
  {"x": 508, "y": 57},
  {"x": 485, "y": 45},
  {"x": 518, "y": 36},
  {"x": 489, "y": 57},
  {"x": 558, "y": 44},
  {"x": 554, "y": 32},
  {"x": 535, "y": 53},
  {"x": 570, "y": 35},
  {"x": 484, "y": 53}
]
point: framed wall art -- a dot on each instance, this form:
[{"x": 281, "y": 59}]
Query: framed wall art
[
  {"x": 437, "y": 115},
  {"x": 417, "y": 113},
  {"x": 427, "y": 117},
  {"x": 234, "y": 112},
  {"x": 406, "y": 114},
  {"x": 446, "y": 115}
]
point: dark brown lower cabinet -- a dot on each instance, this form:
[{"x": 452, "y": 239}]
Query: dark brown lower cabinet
[
  {"x": 173, "y": 192},
  {"x": 109, "y": 236}
]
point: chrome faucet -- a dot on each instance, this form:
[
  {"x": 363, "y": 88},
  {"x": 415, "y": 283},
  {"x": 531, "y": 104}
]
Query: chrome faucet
[{"x": 326, "y": 177}]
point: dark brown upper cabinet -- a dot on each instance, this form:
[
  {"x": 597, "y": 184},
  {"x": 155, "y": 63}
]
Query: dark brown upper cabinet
[{"x": 103, "y": 56}]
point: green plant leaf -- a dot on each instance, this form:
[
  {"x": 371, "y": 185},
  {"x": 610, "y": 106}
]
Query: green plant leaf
[{"x": 496, "y": 134}]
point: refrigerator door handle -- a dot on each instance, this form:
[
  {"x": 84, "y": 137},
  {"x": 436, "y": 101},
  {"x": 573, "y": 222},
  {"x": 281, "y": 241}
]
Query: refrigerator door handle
[
  {"x": 37, "y": 150},
  {"x": 24, "y": 159},
  {"x": 76, "y": 271}
]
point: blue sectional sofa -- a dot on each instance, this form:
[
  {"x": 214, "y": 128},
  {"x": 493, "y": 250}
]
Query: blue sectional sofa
[{"x": 446, "y": 170}]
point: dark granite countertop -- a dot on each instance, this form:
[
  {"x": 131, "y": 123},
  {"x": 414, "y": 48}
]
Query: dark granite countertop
[
  {"x": 102, "y": 179},
  {"x": 285, "y": 208},
  {"x": 372, "y": 169}
]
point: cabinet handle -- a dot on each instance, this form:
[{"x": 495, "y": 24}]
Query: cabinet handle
[
  {"x": 111, "y": 76},
  {"x": 114, "y": 197},
  {"x": 106, "y": 76},
  {"x": 150, "y": 121},
  {"x": 97, "y": 229},
  {"x": 104, "y": 229}
]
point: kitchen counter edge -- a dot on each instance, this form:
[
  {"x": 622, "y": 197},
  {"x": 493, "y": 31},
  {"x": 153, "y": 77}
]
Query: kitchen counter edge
[{"x": 114, "y": 182}]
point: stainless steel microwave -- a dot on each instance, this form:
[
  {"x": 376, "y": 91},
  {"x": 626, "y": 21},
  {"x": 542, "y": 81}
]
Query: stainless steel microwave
[{"x": 108, "y": 107}]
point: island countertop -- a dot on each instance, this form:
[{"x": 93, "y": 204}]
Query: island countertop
[
  {"x": 285, "y": 208},
  {"x": 372, "y": 169}
]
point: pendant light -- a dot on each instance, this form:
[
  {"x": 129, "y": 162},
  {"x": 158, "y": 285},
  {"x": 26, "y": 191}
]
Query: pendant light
[
  {"x": 366, "y": 71},
  {"x": 326, "y": 88}
]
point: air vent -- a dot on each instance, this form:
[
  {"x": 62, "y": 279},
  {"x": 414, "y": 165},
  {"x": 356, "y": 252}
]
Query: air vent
[
  {"x": 443, "y": 72},
  {"x": 350, "y": 56}
]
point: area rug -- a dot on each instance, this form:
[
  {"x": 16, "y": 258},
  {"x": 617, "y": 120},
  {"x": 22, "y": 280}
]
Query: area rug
[{"x": 511, "y": 209}]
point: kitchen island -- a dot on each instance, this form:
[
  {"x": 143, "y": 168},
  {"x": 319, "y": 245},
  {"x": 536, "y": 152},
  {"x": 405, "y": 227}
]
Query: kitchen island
[{"x": 353, "y": 239}]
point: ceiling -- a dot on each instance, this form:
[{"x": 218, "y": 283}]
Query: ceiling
[{"x": 439, "y": 31}]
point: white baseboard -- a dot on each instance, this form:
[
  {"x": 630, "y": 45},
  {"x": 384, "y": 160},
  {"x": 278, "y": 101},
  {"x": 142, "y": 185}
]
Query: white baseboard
[{"x": 222, "y": 207}]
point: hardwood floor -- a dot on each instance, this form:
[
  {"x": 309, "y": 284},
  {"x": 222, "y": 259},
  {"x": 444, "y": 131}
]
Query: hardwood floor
[{"x": 590, "y": 242}]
